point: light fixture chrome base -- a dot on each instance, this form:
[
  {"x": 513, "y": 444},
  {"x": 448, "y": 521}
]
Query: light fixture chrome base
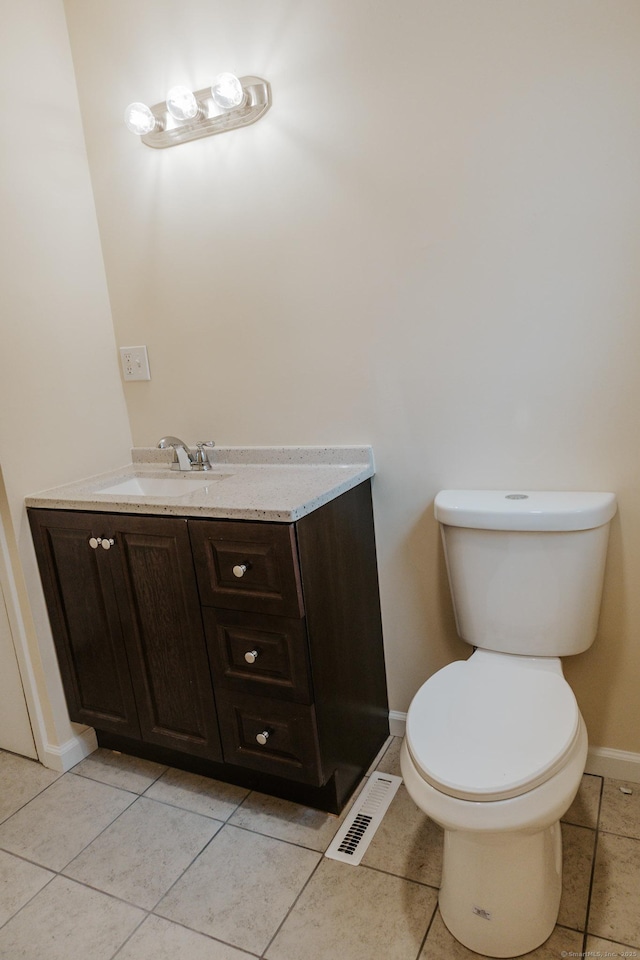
[{"x": 256, "y": 103}]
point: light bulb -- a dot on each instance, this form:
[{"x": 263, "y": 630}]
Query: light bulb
[
  {"x": 139, "y": 119},
  {"x": 181, "y": 103},
  {"x": 227, "y": 91}
]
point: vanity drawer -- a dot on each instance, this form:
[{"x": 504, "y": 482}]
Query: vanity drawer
[
  {"x": 242, "y": 565},
  {"x": 252, "y": 653},
  {"x": 271, "y": 736}
]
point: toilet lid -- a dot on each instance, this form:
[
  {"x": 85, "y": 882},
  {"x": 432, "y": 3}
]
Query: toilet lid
[{"x": 491, "y": 728}]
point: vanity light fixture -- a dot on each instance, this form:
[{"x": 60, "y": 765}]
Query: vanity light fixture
[{"x": 229, "y": 102}]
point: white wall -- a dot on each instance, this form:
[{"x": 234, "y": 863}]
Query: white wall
[
  {"x": 62, "y": 411},
  {"x": 15, "y": 727},
  {"x": 430, "y": 243}
]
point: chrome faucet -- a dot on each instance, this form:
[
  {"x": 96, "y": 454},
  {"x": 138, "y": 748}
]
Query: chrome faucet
[{"x": 182, "y": 457}]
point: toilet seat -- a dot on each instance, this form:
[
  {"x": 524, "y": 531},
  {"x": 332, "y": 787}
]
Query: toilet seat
[{"x": 492, "y": 727}]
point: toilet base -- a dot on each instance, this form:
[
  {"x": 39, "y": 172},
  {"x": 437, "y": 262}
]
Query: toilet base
[{"x": 500, "y": 893}]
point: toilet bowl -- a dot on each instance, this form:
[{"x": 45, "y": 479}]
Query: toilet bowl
[
  {"x": 498, "y": 789},
  {"x": 495, "y": 745}
]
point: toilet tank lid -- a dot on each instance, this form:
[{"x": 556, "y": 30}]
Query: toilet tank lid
[{"x": 524, "y": 509}]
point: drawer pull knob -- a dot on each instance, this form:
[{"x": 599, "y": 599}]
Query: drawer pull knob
[
  {"x": 105, "y": 543},
  {"x": 251, "y": 656},
  {"x": 240, "y": 569},
  {"x": 262, "y": 737}
]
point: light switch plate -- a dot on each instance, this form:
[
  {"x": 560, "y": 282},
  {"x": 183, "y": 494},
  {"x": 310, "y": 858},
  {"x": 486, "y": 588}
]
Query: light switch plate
[{"x": 135, "y": 363}]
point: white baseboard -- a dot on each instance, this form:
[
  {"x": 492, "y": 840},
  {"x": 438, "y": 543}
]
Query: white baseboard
[
  {"x": 397, "y": 723},
  {"x": 601, "y": 761},
  {"x": 618, "y": 764},
  {"x": 72, "y": 751}
]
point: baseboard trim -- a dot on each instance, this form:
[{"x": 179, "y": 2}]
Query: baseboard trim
[
  {"x": 601, "y": 761},
  {"x": 72, "y": 751},
  {"x": 397, "y": 723},
  {"x": 618, "y": 764}
]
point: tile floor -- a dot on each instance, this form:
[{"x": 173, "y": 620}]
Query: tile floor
[{"x": 122, "y": 858}]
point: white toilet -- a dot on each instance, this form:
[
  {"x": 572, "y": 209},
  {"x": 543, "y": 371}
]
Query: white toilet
[{"x": 495, "y": 745}]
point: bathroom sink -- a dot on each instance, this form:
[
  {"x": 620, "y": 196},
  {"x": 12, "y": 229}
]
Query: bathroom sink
[{"x": 176, "y": 486}]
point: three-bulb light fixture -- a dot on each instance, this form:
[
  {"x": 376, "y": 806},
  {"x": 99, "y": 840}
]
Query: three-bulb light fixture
[{"x": 229, "y": 102}]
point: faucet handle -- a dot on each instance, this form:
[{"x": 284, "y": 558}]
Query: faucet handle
[{"x": 202, "y": 455}]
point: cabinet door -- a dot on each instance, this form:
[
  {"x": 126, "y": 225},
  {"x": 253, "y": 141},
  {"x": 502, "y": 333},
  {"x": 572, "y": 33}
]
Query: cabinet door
[
  {"x": 159, "y": 605},
  {"x": 84, "y": 619}
]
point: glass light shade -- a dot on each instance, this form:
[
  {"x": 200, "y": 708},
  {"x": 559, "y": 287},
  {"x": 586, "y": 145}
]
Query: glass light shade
[
  {"x": 181, "y": 103},
  {"x": 227, "y": 91},
  {"x": 139, "y": 119}
]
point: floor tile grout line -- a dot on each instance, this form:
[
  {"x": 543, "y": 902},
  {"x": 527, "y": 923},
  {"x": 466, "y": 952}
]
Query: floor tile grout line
[
  {"x": 175, "y": 806},
  {"x": 188, "y": 867},
  {"x": 168, "y": 803},
  {"x": 293, "y": 905},
  {"x": 428, "y": 930},
  {"x": 126, "y": 941},
  {"x": 21, "y": 856},
  {"x": 80, "y": 883},
  {"x": 244, "y": 800},
  {"x": 200, "y": 933},
  {"x": 23, "y": 905},
  {"x": 34, "y": 797},
  {"x": 398, "y": 876},
  {"x": 270, "y": 836},
  {"x": 622, "y": 836},
  {"x": 109, "y": 783},
  {"x": 82, "y": 776},
  {"x": 358, "y": 867},
  {"x": 106, "y": 893},
  {"x": 93, "y": 839},
  {"x": 118, "y": 753},
  {"x": 593, "y": 869},
  {"x": 202, "y": 776}
]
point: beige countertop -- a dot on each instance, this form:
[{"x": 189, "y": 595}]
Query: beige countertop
[{"x": 245, "y": 483}]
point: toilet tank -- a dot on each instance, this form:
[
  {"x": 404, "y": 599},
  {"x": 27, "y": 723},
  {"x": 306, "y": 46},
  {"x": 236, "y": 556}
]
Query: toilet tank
[{"x": 526, "y": 568}]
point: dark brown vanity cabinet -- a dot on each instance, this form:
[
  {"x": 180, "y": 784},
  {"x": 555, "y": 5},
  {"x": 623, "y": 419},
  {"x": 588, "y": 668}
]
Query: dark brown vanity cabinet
[{"x": 255, "y": 646}]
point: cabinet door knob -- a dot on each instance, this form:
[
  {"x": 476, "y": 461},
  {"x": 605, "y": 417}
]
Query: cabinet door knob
[
  {"x": 251, "y": 656},
  {"x": 106, "y": 544},
  {"x": 94, "y": 542},
  {"x": 240, "y": 569},
  {"x": 262, "y": 737}
]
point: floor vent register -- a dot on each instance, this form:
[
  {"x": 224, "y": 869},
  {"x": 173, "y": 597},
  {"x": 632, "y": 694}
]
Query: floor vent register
[{"x": 356, "y": 833}]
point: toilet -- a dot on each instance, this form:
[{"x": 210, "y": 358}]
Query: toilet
[{"x": 495, "y": 745}]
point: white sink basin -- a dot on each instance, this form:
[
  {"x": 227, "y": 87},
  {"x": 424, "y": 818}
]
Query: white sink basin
[{"x": 176, "y": 486}]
